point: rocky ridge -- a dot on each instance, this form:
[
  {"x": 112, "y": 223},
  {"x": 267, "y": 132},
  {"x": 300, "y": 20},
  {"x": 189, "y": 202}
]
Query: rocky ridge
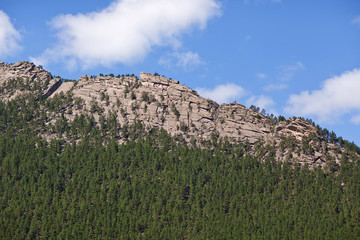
[
  {"x": 156, "y": 101},
  {"x": 33, "y": 77}
]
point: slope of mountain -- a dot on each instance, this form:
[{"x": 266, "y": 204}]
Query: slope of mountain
[
  {"x": 156, "y": 101},
  {"x": 126, "y": 158}
]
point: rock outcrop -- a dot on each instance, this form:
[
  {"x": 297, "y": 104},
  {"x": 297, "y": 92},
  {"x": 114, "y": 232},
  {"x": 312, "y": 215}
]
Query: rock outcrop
[
  {"x": 156, "y": 101},
  {"x": 24, "y": 77}
]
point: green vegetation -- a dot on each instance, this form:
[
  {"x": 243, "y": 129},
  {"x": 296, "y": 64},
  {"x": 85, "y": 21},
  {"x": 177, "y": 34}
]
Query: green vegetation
[
  {"x": 325, "y": 133},
  {"x": 175, "y": 111},
  {"x": 82, "y": 184},
  {"x": 141, "y": 189}
]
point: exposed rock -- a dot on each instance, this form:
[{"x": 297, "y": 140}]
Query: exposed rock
[
  {"x": 63, "y": 87},
  {"x": 296, "y": 127},
  {"x": 52, "y": 89},
  {"x": 27, "y": 75},
  {"x": 165, "y": 103}
]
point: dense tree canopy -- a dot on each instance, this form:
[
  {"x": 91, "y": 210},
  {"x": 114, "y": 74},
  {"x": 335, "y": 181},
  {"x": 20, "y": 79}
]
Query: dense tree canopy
[{"x": 83, "y": 184}]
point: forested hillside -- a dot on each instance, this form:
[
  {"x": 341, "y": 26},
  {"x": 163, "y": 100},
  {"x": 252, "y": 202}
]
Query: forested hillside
[
  {"x": 68, "y": 173},
  {"x": 156, "y": 186},
  {"x": 113, "y": 103}
]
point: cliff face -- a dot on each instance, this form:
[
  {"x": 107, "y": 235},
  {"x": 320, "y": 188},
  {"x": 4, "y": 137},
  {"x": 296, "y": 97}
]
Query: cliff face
[
  {"x": 23, "y": 77},
  {"x": 156, "y": 101}
]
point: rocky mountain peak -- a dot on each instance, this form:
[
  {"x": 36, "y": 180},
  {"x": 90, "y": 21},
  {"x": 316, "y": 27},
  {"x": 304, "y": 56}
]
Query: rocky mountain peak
[
  {"x": 26, "y": 70},
  {"x": 157, "y": 101},
  {"x": 23, "y": 77}
]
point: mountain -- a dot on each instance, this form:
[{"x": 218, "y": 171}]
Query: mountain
[
  {"x": 159, "y": 102},
  {"x": 124, "y": 157}
]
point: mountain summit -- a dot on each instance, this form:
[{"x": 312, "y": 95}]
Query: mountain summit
[{"x": 158, "y": 102}]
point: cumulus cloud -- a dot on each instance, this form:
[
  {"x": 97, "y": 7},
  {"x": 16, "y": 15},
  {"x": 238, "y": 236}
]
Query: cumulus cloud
[
  {"x": 126, "y": 31},
  {"x": 287, "y": 72},
  {"x": 186, "y": 60},
  {"x": 9, "y": 37},
  {"x": 338, "y": 96},
  {"x": 224, "y": 93}
]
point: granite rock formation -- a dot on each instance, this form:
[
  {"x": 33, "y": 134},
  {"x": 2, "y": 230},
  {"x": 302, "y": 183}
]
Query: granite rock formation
[{"x": 156, "y": 101}]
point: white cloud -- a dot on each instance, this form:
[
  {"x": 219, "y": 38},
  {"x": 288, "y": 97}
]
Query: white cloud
[
  {"x": 263, "y": 102},
  {"x": 355, "y": 119},
  {"x": 275, "y": 87},
  {"x": 126, "y": 31},
  {"x": 287, "y": 72},
  {"x": 224, "y": 93},
  {"x": 338, "y": 96},
  {"x": 261, "y": 75},
  {"x": 186, "y": 60},
  {"x": 356, "y": 20},
  {"x": 9, "y": 37}
]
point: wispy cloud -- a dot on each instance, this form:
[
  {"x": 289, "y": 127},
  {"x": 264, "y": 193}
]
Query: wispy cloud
[
  {"x": 275, "y": 87},
  {"x": 126, "y": 31},
  {"x": 356, "y": 20},
  {"x": 287, "y": 72},
  {"x": 9, "y": 36},
  {"x": 224, "y": 93},
  {"x": 284, "y": 74},
  {"x": 185, "y": 60},
  {"x": 355, "y": 119},
  {"x": 338, "y": 96},
  {"x": 261, "y": 75}
]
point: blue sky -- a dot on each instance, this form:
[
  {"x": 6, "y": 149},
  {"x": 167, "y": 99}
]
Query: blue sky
[{"x": 294, "y": 58}]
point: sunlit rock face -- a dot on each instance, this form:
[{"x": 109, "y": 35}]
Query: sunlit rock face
[{"x": 156, "y": 101}]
